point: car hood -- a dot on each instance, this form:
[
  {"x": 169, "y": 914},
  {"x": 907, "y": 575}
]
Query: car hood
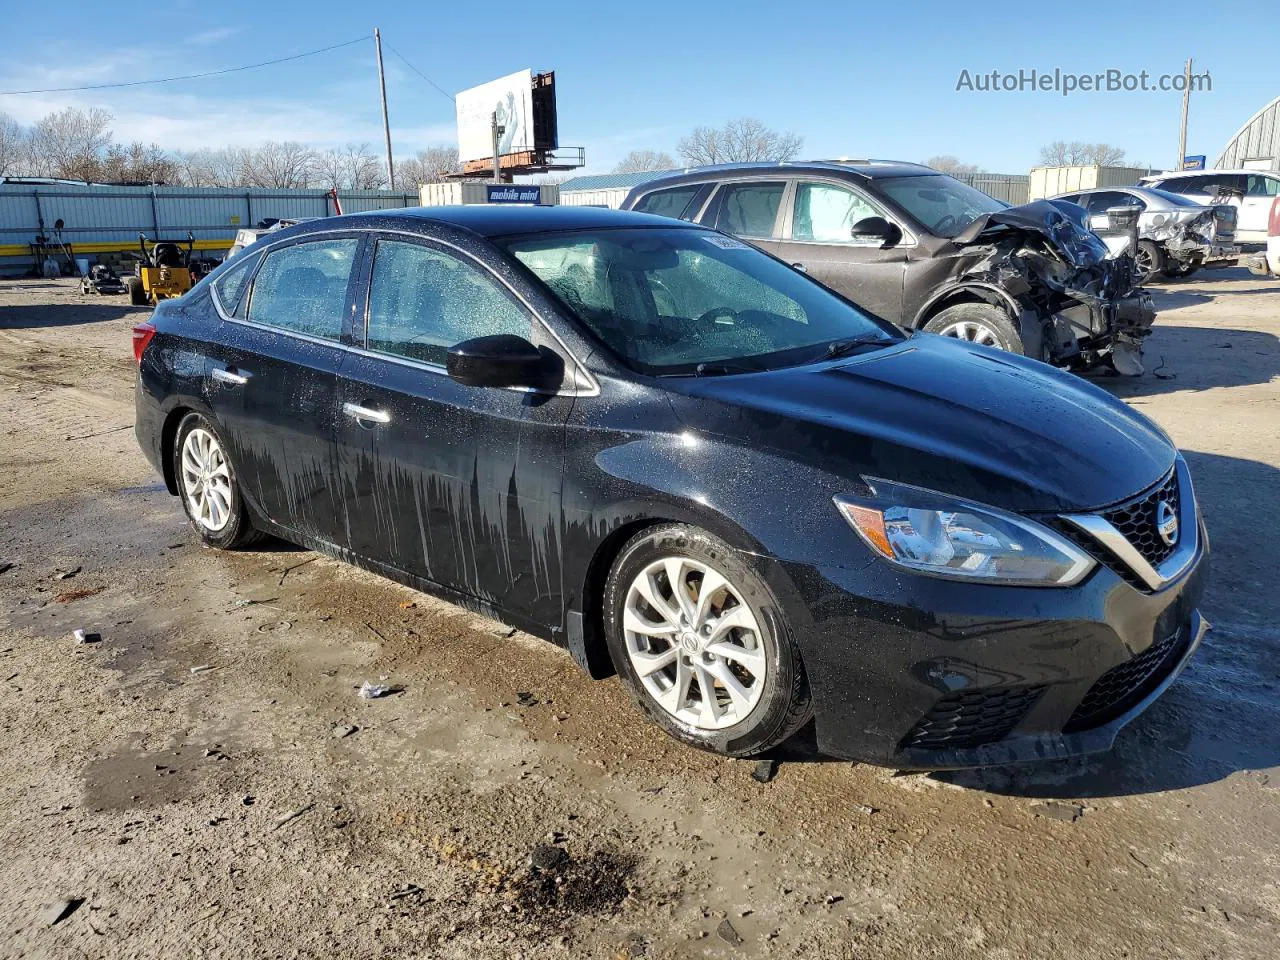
[
  {"x": 1049, "y": 219},
  {"x": 934, "y": 412}
]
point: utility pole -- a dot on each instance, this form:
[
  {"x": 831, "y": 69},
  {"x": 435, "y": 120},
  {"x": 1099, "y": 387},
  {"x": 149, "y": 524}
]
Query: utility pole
[
  {"x": 496, "y": 130},
  {"x": 386, "y": 123},
  {"x": 1186, "y": 102}
]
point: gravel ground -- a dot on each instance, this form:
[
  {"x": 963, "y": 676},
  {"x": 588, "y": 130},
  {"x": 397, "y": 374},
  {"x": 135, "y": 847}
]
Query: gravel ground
[{"x": 205, "y": 781}]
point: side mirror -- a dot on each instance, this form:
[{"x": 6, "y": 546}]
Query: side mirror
[
  {"x": 503, "y": 360},
  {"x": 877, "y": 228}
]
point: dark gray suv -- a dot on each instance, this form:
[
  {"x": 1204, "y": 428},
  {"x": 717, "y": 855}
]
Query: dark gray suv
[{"x": 925, "y": 251}]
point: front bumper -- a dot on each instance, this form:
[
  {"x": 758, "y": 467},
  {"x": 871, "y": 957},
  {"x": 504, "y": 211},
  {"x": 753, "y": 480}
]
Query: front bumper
[{"x": 920, "y": 673}]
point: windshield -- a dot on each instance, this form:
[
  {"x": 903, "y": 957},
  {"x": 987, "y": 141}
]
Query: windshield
[
  {"x": 943, "y": 205},
  {"x": 682, "y": 301}
]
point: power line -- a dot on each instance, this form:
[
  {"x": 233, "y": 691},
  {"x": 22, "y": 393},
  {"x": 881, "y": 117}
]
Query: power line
[
  {"x": 188, "y": 76},
  {"x": 419, "y": 72}
]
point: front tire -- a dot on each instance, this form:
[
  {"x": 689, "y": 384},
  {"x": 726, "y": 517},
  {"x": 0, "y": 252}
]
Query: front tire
[
  {"x": 207, "y": 485},
  {"x": 702, "y": 643},
  {"x": 980, "y": 323}
]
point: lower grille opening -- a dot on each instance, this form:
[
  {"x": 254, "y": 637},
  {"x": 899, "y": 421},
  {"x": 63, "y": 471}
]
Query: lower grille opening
[
  {"x": 1122, "y": 687},
  {"x": 972, "y": 718}
]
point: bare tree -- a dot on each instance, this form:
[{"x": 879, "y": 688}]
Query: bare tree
[
  {"x": 1063, "y": 154},
  {"x": 428, "y": 166},
  {"x": 137, "y": 163},
  {"x": 946, "y": 163},
  {"x": 744, "y": 140},
  {"x": 14, "y": 147},
  {"x": 640, "y": 161},
  {"x": 351, "y": 167},
  {"x": 71, "y": 143},
  {"x": 278, "y": 165},
  {"x": 211, "y": 168}
]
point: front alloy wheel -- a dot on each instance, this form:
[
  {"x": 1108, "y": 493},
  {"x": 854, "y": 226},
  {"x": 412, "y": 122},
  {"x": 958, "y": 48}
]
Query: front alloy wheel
[
  {"x": 694, "y": 644},
  {"x": 702, "y": 642}
]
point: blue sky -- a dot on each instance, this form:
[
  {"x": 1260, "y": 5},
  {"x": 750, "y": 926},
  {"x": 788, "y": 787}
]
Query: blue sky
[{"x": 852, "y": 79}]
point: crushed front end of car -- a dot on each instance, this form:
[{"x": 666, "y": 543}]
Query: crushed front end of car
[
  {"x": 1083, "y": 306},
  {"x": 1194, "y": 236}
]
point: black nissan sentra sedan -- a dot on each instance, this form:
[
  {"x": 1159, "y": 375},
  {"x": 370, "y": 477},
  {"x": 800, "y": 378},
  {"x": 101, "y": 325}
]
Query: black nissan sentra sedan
[{"x": 694, "y": 466}]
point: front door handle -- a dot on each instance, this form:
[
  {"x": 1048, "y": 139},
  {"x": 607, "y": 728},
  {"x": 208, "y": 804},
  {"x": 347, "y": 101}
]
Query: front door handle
[
  {"x": 229, "y": 377},
  {"x": 366, "y": 414}
]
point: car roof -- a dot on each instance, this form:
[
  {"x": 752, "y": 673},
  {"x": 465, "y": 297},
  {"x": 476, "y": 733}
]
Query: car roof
[
  {"x": 496, "y": 220},
  {"x": 861, "y": 169},
  {"x": 1200, "y": 173}
]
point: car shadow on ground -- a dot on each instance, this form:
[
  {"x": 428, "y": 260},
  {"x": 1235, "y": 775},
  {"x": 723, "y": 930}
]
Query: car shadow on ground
[
  {"x": 1197, "y": 358},
  {"x": 1221, "y": 715},
  {"x": 36, "y": 316}
]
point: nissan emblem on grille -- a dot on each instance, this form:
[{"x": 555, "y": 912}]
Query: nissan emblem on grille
[{"x": 1167, "y": 522}]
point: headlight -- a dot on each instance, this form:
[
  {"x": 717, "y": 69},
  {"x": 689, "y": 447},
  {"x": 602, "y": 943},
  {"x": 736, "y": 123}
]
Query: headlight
[{"x": 948, "y": 537}]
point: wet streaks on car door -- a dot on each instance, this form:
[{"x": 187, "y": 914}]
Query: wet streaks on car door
[
  {"x": 459, "y": 485},
  {"x": 278, "y": 399}
]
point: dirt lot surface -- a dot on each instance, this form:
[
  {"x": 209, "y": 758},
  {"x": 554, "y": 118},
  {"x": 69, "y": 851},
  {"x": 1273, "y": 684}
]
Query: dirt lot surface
[{"x": 205, "y": 781}]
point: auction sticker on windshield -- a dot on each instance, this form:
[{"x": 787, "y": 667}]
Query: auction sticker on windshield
[{"x": 726, "y": 243}]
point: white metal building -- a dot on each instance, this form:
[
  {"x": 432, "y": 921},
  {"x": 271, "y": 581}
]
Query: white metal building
[
  {"x": 605, "y": 190},
  {"x": 1256, "y": 145}
]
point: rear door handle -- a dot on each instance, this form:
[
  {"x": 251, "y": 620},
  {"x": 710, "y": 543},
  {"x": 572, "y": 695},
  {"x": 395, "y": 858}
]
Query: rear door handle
[
  {"x": 366, "y": 414},
  {"x": 229, "y": 377}
]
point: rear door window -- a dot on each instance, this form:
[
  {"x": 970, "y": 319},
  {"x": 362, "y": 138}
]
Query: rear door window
[
  {"x": 671, "y": 202},
  {"x": 422, "y": 301},
  {"x": 750, "y": 209},
  {"x": 302, "y": 288}
]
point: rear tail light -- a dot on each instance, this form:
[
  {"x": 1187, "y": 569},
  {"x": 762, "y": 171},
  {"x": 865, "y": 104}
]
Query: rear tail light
[
  {"x": 142, "y": 335},
  {"x": 1273, "y": 222}
]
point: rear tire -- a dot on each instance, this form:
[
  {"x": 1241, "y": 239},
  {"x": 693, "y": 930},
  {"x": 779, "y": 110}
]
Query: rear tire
[
  {"x": 207, "y": 486},
  {"x": 732, "y": 640},
  {"x": 137, "y": 295},
  {"x": 979, "y": 323},
  {"x": 1149, "y": 261}
]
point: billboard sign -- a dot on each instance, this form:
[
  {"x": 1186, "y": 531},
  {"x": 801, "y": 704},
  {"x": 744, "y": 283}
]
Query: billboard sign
[
  {"x": 511, "y": 98},
  {"x": 510, "y": 193},
  {"x": 1193, "y": 162}
]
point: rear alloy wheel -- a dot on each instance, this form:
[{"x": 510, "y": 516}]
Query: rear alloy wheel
[
  {"x": 980, "y": 323},
  {"x": 207, "y": 485},
  {"x": 1149, "y": 261},
  {"x": 699, "y": 638}
]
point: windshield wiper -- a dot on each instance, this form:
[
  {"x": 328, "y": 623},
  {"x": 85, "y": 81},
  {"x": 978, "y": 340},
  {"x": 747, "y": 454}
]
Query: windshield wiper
[
  {"x": 719, "y": 368},
  {"x": 843, "y": 348}
]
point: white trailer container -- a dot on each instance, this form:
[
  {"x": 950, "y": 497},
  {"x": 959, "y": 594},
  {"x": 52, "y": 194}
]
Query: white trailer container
[
  {"x": 1051, "y": 181},
  {"x": 458, "y": 192}
]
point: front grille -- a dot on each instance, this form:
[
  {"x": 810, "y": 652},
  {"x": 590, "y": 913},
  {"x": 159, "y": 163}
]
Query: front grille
[
  {"x": 970, "y": 719},
  {"x": 1122, "y": 687},
  {"x": 1136, "y": 520}
]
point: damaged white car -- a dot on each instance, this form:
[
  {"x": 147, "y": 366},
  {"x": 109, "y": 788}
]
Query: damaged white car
[{"x": 1176, "y": 236}]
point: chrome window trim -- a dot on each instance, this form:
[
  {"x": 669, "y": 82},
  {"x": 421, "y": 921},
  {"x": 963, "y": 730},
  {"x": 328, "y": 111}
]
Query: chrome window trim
[
  {"x": 580, "y": 372},
  {"x": 1173, "y": 566}
]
